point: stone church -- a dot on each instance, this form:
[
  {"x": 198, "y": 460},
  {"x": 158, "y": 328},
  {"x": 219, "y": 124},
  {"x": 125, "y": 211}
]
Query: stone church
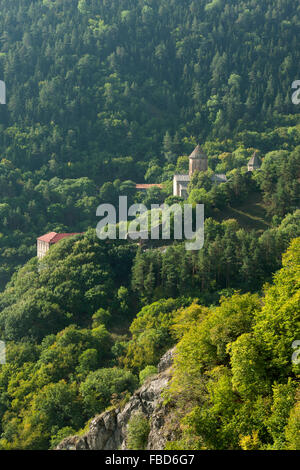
[{"x": 198, "y": 161}]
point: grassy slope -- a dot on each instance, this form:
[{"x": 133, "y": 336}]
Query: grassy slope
[{"x": 251, "y": 214}]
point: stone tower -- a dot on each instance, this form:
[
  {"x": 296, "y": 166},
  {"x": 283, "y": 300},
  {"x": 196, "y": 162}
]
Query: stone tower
[
  {"x": 198, "y": 161},
  {"x": 254, "y": 162}
]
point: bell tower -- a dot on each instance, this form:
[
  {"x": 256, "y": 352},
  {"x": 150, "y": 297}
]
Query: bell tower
[{"x": 197, "y": 161}]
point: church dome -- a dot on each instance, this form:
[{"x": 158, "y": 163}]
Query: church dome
[{"x": 198, "y": 154}]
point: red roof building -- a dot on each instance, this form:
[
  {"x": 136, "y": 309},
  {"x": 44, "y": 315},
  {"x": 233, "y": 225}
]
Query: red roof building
[
  {"x": 147, "y": 186},
  {"x": 44, "y": 242}
]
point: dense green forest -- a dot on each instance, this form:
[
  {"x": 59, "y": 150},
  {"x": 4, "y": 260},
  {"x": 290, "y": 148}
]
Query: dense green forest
[
  {"x": 116, "y": 92},
  {"x": 102, "y": 95},
  {"x": 70, "y": 356}
]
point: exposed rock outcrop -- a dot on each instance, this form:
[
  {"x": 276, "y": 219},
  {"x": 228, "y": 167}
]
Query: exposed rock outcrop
[{"x": 108, "y": 431}]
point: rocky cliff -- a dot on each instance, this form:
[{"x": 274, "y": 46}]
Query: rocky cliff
[{"x": 108, "y": 431}]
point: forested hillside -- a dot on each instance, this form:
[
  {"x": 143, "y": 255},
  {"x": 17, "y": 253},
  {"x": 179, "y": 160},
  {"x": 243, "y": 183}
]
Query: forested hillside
[
  {"x": 102, "y": 95},
  {"x": 90, "y": 81},
  {"x": 116, "y": 91},
  {"x": 70, "y": 357}
]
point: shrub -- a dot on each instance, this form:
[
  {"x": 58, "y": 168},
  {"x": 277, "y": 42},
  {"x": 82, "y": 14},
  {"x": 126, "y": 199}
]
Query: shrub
[
  {"x": 99, "y": 387},
  {"x": 137, "y": 432},
  {"x": 147, "y": 372},
  {"x": 60, "y": 435}
]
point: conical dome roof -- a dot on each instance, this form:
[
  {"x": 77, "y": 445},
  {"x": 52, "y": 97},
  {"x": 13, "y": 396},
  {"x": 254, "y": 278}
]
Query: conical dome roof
[
  {"x": 255, "y": 160},
  {"x": 198, "y": 154}
]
